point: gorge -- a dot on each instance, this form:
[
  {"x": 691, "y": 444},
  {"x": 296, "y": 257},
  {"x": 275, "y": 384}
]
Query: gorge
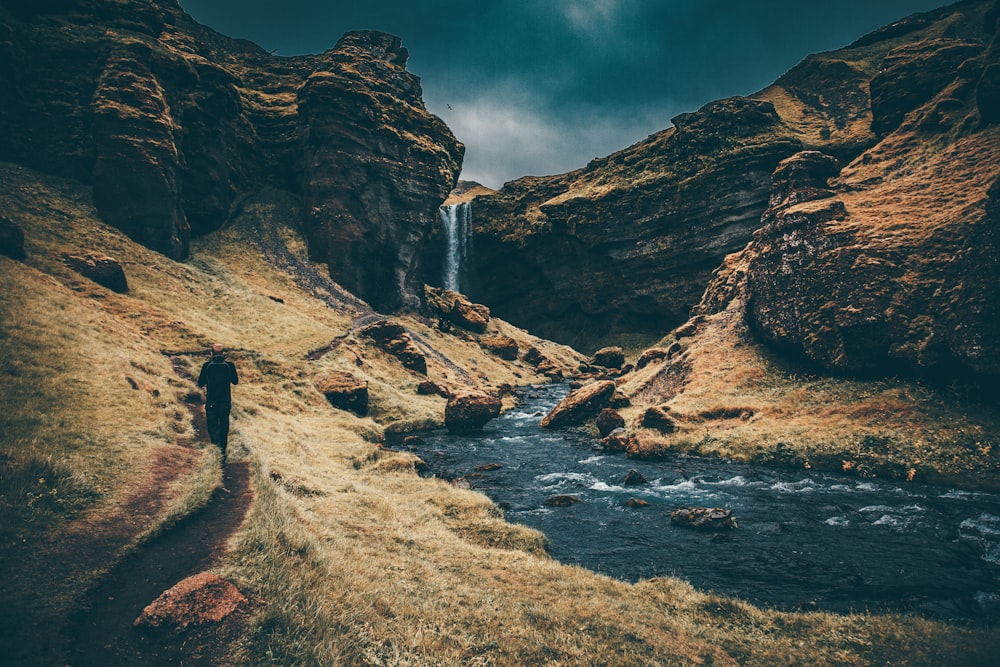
[{"x": 782, "y": 295}]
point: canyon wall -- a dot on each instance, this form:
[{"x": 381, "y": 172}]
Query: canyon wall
[
  {"x": 622, "y": 249},
  {"x": 172, "y": 123}
]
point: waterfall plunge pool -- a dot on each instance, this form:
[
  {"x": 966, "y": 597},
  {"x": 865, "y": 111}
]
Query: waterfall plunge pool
[{"x": 805, "y": 540}]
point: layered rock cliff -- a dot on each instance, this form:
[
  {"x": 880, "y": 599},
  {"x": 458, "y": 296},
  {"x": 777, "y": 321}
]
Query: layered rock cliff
[
  {"x": 623, "y": 248},
  {"x": 171, "y": 123}
]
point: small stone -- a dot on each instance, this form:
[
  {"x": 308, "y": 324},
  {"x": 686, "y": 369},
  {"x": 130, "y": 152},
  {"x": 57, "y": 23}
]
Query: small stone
[
  {"x": 704, "y": 518},
  {"x": 562, "y": 501},
  {"x": 634, "y": 478}
]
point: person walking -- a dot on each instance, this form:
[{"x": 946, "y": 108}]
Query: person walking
[{"x": 217, "y": 374}]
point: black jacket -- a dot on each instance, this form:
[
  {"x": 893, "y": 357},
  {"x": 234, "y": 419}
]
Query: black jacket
[{"x": 217, "y": 374}]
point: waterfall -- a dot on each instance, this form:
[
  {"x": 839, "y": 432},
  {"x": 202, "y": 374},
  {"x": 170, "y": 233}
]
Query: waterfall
[{"x": 457, "y": 222}]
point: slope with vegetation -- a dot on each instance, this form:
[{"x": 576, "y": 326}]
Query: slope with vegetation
[{"x": 353, "y": 557}]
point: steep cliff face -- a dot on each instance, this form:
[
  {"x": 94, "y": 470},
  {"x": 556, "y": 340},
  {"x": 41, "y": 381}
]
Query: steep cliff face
[
  {"x": 171, "y": 123},
  {"x": 625, "y": 246}
]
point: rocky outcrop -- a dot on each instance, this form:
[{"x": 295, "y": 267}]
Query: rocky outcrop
[
  {"x": 393, "y": 338},
  {"x": 457, "y": 309},
  {"x": 627, "y": 244},
  {"x": 103, "y": 270},
  {"x": 468, "y": 411},
  {"x": 657, "y": 418},
  {"x": 11, "y": 239},
  {"x": 171, "y": 123},
  {"x": 344, "y": 391},
  {"x": 504, "y": 347},
  {"x": 580, "y": 405}
]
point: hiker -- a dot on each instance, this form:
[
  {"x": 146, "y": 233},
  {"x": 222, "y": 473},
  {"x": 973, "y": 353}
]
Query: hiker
[{"x": 217, "y": 374}]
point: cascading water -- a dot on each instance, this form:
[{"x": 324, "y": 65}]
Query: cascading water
[{"x": 456, "y": 219}]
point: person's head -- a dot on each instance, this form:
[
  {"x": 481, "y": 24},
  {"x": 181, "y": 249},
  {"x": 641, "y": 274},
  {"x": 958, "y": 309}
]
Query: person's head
[{"x": 218, "y": 350}]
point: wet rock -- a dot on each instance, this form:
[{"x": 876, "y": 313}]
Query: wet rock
[
  {"x": 469, "y": 411},
  {"x": 608, "y": 420},
  {"x": 11, "y": 240},
  {"x": 616, "y": 441},
  {"x": 504, "y": 347},
  {"x": 609, "y": 357},
  {"x": 580, "y": 405},
  {"x": 636, "y": 503},
  {"x": 488, "y": 467},
  {"x": 658, "y": 418},
  {"x": 100, "y": 268},
  {"x": 197, "y": 600},
  {"x": 562, "y": 500},
  {"x": 393, "y": 338},
  {"x": 344, "y": 391},
  {"x": 703, "y": 518},
  {"x": 457, "y": 309},
  {"x": 634, "y": 478}
]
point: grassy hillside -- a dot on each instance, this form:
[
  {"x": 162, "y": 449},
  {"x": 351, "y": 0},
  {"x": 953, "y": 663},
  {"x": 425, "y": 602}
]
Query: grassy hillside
[{"x": 354, "y": 558}]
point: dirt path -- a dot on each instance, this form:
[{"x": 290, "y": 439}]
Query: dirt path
[{"x": 101, "y": 633}]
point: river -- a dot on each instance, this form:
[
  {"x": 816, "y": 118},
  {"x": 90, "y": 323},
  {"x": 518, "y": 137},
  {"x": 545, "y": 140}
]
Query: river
[{"x": 805, "y": 540}]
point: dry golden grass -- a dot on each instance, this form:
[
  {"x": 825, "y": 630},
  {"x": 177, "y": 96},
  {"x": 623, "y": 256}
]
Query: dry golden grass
[{"x": 356, "y": 559}]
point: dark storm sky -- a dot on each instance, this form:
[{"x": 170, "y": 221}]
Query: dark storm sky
[{"x": 538, "y": 87}]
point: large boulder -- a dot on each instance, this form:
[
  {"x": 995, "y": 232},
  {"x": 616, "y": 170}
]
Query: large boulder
[
  {"x": 608, "y": 420},
  {"x": 198, "y": 600},
  {"x": 393, "y": 338},
  {"x": 11, "y": 240},
  {"x": 103, "y": 270},
  {"x": 457, "y": 309},
  {"x": 504, "y": 347},
  {"x": 344, "y": 390},
  {"x": 468, "y": 411},
  {"x": 609, "y": 357},
  {"x": 580, "y": 405}
]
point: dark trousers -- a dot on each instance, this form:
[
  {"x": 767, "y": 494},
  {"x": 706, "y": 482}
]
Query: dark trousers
[{"x": 218, "y": 424}]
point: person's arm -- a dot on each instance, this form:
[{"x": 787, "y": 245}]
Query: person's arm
[
  {"x": 201, "y": 376},
  {"x": 233, "y": 377}
]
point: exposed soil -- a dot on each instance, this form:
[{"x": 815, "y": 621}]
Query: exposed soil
[{"x": 102, "y": 632}]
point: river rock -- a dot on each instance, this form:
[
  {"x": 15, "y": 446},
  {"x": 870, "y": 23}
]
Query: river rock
[
  {"x": 609, "y": 357},
  {"x": 11, "y": 240},
  {"x": 616, "y": 441},
  {"x": 100, "y": 268},
  {"x": 636, "y": 503},
  {"x": 468, "y": 411},
  {"x": 504, "y": 347},
  {"x": 580, "y": 405},
  {"x": 393, "y": 338},
  {"x": 197, "y": 600},
  {"x": 562, "y": 500},
  {"x": 703, "y": 518},
  {"x": 344, "y": 391},
  {"x": 634, "y": 478},
  {"x": 608, "y": 420}
]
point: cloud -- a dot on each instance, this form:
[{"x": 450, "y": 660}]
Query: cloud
[{"x": 506, "y": 128}]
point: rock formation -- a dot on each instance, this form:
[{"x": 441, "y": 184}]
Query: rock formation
[
  {"x": 344, "y": 391},
  {"x": 580, "y": 405},
  {"x": 626, "y": 245},
  {"x": 393, "y": 338},
  {"x": 103, "y": 270},
  {"x": 171, "y": 123},
  {"x": 11, "y": 239},
  {"x": 199, "y": 599},
  {"x": 468, "y": 411}
]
